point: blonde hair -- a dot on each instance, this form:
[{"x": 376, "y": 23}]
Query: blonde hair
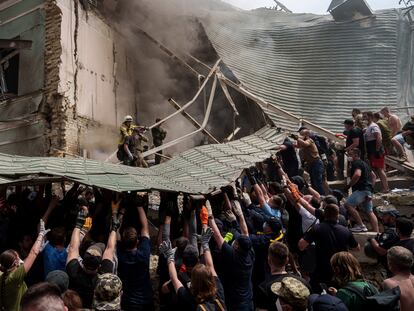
[{"x": 346, "y": 268}]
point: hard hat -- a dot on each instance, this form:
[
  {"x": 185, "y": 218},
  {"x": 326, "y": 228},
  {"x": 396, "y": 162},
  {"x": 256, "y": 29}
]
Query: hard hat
[{"x": 128, "y": 119}]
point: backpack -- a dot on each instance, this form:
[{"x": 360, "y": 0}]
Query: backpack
[
  {"x": 387, "y": 300},
  {"x": 212, "y": 305}
]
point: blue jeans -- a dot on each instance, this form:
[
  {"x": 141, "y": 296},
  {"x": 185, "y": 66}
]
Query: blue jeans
[
  {"x": 359, "y": 197},
  {"x": 317, "y": 172}
]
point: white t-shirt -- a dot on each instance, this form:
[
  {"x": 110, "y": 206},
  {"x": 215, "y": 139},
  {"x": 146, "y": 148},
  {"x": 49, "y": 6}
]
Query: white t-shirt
[
  {"x": 370, "y": 131},
  {"x": 307, "y": 219}
]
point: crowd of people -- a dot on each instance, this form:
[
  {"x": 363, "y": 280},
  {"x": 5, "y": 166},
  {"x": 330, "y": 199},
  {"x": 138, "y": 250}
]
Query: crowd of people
[{"x": 269, "y": 241}]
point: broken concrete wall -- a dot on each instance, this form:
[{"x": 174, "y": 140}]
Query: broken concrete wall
[{"x": 22, "y": 128}]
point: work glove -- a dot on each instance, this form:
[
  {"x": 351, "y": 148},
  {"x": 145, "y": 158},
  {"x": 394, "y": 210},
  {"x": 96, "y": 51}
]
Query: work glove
[
  {"x": 228, "y": 237},
  {"x": 42, "y": 230},
  {"x": 237, "y": 210},
  {"x": 80, "y": 220},
  {"x": 204, "y": 215},
  {"x": 116, "y": 224},
  {"x": 246, "y": 199},
  {"x": 205, "y": 238},
  {"x": 115, "y": 206},
  {"x": 209, "y": 209},
  {"x": 167, "y": 250}
]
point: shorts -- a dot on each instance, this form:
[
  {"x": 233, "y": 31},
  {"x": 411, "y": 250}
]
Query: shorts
[
  {"x": 359, "y": 198},
  {"x": 377, "y": 161},
  {"x": 400, "y": 138}
]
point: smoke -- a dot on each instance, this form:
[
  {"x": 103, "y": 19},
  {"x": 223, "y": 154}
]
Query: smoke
[{"x": 158, "y": 77}]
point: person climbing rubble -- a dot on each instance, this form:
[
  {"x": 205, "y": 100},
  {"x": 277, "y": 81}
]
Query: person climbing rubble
[{"x": 158, "y": 135}]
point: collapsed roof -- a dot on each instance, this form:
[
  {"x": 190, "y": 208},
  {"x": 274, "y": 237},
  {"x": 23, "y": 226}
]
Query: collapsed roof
[
  {"x": 199, "y": 170},
  {"x": 314, "y": 67}
]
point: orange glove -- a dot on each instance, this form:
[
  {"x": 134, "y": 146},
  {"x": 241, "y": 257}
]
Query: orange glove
[
  {"x": 295, "y": 192},
  {"x": 88, "y": 224},
  {"x": 115, "y": 206},
  {"x": 204, "y": 215}
]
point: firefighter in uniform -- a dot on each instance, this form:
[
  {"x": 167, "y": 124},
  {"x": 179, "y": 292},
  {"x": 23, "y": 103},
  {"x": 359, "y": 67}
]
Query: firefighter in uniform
[{"x": 158, "y": 135}]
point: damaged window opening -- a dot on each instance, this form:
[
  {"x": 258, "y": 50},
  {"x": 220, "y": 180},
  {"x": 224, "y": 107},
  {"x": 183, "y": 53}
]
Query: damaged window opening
[{"x": 9, "y": 72}]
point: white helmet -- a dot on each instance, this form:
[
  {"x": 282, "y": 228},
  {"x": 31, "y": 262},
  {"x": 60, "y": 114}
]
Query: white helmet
[{"x": 128, "y": 119}]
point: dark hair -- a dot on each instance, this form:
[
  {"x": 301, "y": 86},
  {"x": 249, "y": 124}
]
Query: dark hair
[
  {"x": 57, "y": 236},
  {"x": 7, "y": 261},
  {"x": 356, "y": 110},
  {"x": 330, "y": 199},
  {"x": 369, "y": 114},
  {"x": 349, "y": 122},
  {"x": 129, "y": 238},
  {"x": 404, "y": 226},
  {"x": 331, "y": 213},
  {"x": 181, "y": 244},
  {"x": 346, "y": 268},
  {"x": 377, "y": 116},
  {"x": 315, "y": 203},
  {"x": 42, "y": 296},
  {"x": 356, "y": 152},
  {"x": 72, "y": 300},
  {"x": 278, "y": 254},
  {"x": 157, "y": 120}
]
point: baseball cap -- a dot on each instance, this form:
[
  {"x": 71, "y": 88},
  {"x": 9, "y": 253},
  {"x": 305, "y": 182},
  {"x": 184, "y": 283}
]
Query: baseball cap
[
  {"x": 107, "y": 294},
  {"x": 244, "y": 242},
  {"x": 292, "y": 291},
  {"x": 93, "y": 256},
  {"x": 388, "y": 209},
  {"x": 326, "y": 303},
  {"x": 59, "y": 278}
]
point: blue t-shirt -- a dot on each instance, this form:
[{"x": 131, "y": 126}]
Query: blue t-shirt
[
  {"x": 54, "y": 258},
  {"x": 271, "y": 212},
  {"x": 237, "y": 282},
  {"x": 133, "y": 270}
]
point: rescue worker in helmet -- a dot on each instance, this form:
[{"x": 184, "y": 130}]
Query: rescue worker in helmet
[{"x": 125, "y": 131}]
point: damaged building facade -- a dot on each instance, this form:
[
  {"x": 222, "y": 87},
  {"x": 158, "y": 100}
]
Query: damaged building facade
[
  {"x": 75, "y": 75},
  {"x": 80, "y": 71}
]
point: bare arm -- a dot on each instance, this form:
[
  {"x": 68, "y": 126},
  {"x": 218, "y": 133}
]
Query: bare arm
[
  {"x": 173, "y": 276},
  {"x": 355, "y": 178},
  {"x": 209, "y": 262},
  {"x": 73, "y": 250},
  {"x": 53, "y": 203},
  {"x": 378, "y": 138},
  {"x": 216, "y": 233},
  {"x": 242, "y": 222},
  {"x": 35, "y": 250},
  {"x": 110, "y": 247},
  {"x": 303, "y": 143},
  {"x": 144, "y": 222}
]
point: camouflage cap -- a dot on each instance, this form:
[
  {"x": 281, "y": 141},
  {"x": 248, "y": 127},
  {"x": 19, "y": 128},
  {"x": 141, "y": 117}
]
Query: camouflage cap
[
  {"x": 292, "y": 291},
  {"x": 107, "y": 295},
  {"x": 388, "y": 209}
]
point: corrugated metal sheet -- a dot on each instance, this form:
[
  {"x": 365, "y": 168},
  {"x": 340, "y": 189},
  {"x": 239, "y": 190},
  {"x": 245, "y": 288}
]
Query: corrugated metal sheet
[
  {"x": 199, "y": 170},
  {"x": 313, "y": 67}
]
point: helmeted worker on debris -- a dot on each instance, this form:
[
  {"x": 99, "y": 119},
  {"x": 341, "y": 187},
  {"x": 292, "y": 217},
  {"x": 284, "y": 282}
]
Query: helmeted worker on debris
[
  {"x": 133, "y": 148},
  {"x": 158, "y": 135},
  {"x": 125, "y": 131}
]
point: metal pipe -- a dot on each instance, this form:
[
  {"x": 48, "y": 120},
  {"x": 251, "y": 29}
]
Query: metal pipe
[
  {"x": 203, "y": 125},
  {"x": 228, "y": 96},
  {"x": 192, "y": 120},
  {"x": 213, "y": 70},
  {"x": 231, "y": 136}
]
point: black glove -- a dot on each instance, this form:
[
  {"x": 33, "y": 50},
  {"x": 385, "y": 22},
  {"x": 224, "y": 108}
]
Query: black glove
[
  {"x": 252, "y": 179},
  {"x": 116, "y": 224},
  {"x": 80, "y": 220}
]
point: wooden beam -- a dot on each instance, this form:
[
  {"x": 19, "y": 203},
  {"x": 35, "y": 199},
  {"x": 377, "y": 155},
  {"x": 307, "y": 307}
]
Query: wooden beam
[{"x": 192, "y": 120}]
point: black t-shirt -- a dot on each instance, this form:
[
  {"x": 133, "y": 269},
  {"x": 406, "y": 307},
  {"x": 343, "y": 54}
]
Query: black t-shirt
[
  {"x": 266, "y": 298},
  {"x": 290, "y": 159},
  {"x": 356, "y": 132},
  {"x": 83, "y": 283},
  {"x": 187, "y": 301},
  {"x": 294, "y": 227},
  {"x": 408, "y": 244},
  {"x": 365, "y": 181},
  {"x": 133, "y": 270},
  {"x": 329, "y": 239},
  {"x": 237, "y": 272}
]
